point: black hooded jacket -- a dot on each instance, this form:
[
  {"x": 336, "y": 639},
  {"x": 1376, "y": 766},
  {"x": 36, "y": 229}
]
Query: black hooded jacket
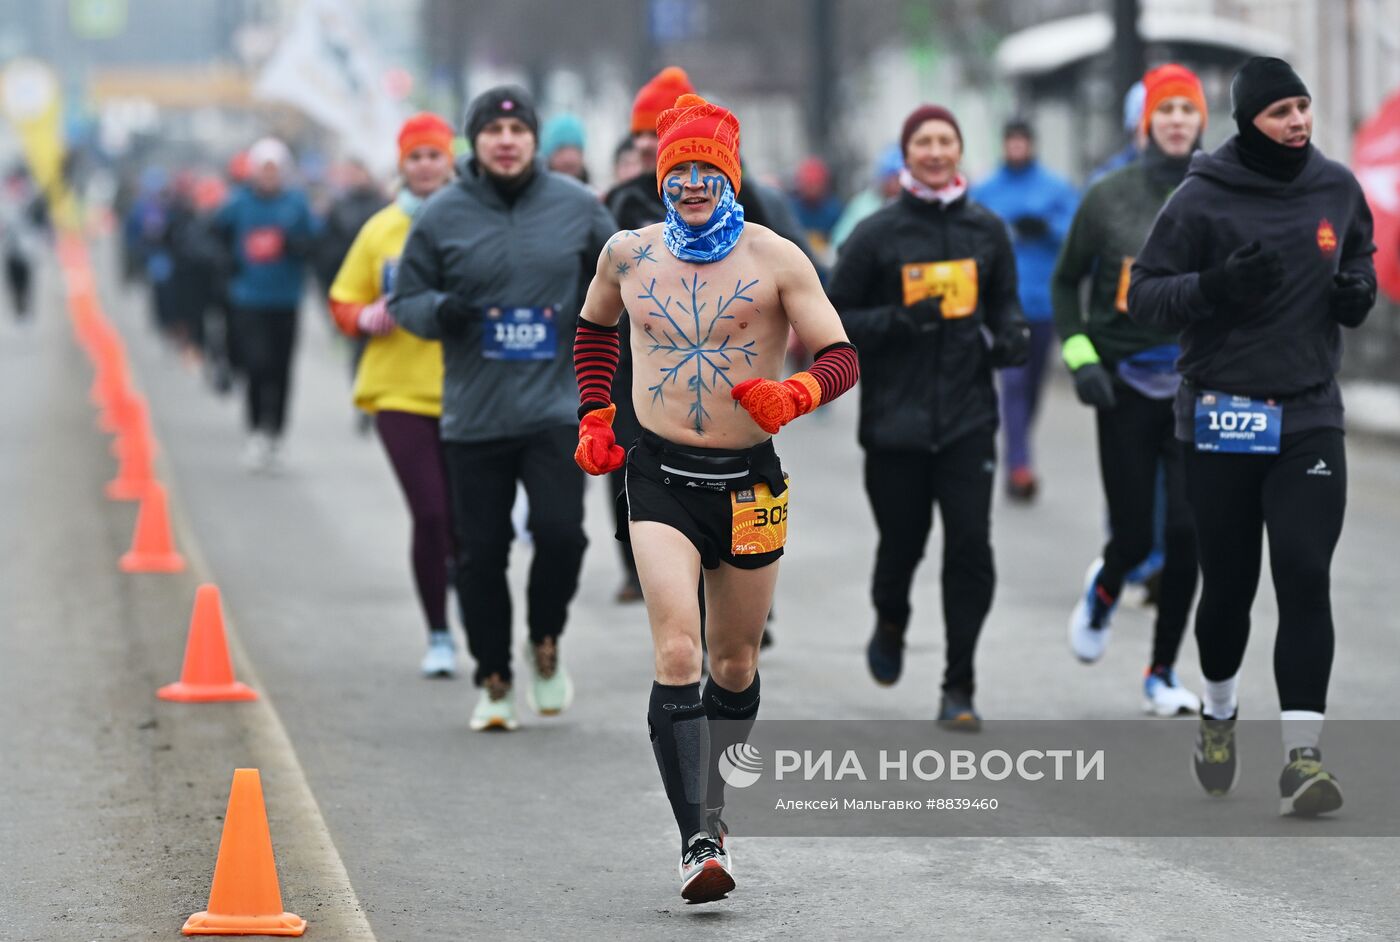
[
  {"x": 1284, "y": 346},
  {"x": 923, "y": 393}
]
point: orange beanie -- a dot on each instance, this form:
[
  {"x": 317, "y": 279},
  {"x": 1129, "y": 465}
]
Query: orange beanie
[
  {"x": 658, "y": 95},
  {"x": 424, "y": 130},
  {"x": 695, "y": 129},
  {"x": 1172, "y": 81}
]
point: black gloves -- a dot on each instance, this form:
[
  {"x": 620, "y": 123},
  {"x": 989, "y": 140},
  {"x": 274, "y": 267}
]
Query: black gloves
[
  {"x": 1030, "y": 227},
  {"x": 1094, "y": 386},
  {"x": 1248, "y": 275},
  {"x": 1353, "y": 294},
  {"x": 454, "y": 314},
  {"x": 1011, "y": 346},
  {"x": 918, "y": 318}
]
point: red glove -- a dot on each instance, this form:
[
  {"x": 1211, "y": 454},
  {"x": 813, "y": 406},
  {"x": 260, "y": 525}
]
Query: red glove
[
  {"x": 773, "y": 404},
  {"x": 598, "y": 451}
]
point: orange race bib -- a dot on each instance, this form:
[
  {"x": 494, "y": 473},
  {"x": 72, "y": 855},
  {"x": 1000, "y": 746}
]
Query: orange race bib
[
  {"x": 955, "y": 282},
  {"x": 760, "y": 520},
  {"x": 1124, "y": 276}
]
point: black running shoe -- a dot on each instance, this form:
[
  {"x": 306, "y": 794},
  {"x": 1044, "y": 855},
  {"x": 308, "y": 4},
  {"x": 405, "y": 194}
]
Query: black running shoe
[
  {"x": 955, "y": 711},
  {"x": 705, "y": 875},
  {"x": 885, "y": 653},
  {"x": 1215, "y": 761},
  {"x": 1305, "y": 788}
]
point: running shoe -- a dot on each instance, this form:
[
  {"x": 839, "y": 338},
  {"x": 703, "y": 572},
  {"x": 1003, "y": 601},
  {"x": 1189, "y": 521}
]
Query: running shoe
[
  {"x": 1022, "y": 485},
  {"x": 257, "y": 454},
  {"x": 1215, "y": 760},
  {"x": 718, "y": 831},
  {"x": 1305, "y": 788},
  {"x": 550, "y": 691},
  {"x": 441, "y": 659},
  {"x": 956, "y": 712},
  {"x": 1163, "y": 696},
  {"x": 705, "y": 875},
  {"x": 495, "y": 709},
  {"x": 885, "y": 653},
  {"x": 1090, "y": 623}
]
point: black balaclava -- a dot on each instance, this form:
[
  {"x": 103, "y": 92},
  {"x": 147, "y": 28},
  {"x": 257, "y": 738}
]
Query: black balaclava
[
  {"x": 1258, "y": 84},
  {"x": 503, "y": 101}
]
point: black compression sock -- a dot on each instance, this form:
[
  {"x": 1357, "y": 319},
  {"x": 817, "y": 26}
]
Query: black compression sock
[
  {"x": 680, "y": 738},
  {"x": 731, "y": 719}
]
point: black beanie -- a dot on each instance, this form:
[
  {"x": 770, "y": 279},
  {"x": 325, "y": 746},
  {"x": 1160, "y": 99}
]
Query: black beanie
[
  {"x": 503, "y": 101},
  {"x": 1259, "y": 83}
]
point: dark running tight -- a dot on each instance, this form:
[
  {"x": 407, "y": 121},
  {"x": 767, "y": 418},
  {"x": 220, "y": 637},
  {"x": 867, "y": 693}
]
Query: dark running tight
[
  {"x": 415, "y": 451},
  {"x": 1299, "y": 497}
]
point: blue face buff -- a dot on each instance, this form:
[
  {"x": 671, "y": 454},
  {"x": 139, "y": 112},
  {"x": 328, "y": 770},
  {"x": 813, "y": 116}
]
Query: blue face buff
[{"x": 710, "y": 241}]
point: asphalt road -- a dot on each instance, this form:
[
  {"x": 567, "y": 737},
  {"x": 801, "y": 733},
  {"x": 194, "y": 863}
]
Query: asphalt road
[{"x": 112, "y": 800}]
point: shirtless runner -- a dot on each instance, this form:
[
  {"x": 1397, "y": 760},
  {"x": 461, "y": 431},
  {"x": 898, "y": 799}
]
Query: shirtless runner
[{"x": 711, "y": 301}]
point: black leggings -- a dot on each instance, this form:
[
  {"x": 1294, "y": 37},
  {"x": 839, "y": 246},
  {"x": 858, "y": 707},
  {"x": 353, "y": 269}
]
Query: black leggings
[
  {"x": 1300, "y": 496},
  {"x": 482, "y": 478},
  {"x": 903, "y": 488},
  {"x": 268, "y": 339},
  {"x": 1135, "y": 437}
]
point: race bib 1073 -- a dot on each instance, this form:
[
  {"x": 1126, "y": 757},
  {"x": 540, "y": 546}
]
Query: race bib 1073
[{"x": 1237, "y": 424}]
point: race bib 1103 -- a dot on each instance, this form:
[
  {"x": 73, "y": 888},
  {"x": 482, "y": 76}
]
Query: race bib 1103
[{"x": 519, "y": 333}]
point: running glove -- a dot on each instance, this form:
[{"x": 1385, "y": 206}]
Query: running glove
[
  {"x": 454, "y": 314},
  {"x": 773, "y": 404},
  {"x": 1011, "y": 346},
  {"x": 1249, "y": 274},
  {"x": 1094, "y": 386},
  {"x": 598, "y": 451},
  {"x": 1092, "y": 382},
  {"x": 1353, "y": 295},
  {"x": 918, "y": 318}
]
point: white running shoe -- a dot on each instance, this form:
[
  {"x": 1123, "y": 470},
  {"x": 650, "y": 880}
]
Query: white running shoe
[
  {"x": 705, "y": 875},
  {"x": 441, "y": 658},
  {"x": 550, "y": 691},
  {"x": 1090, "y": 624},
  {"x": 495, "y": 710},
  {"x": 257, "y": 454},
  {"x": 1163, "y": 696}
]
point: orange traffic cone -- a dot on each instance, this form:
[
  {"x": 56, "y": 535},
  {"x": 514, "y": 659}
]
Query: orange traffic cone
[
  {"x": 152, "y": 546},
  {"x": 134, "y": 473},
  {"x": 208, "y": 672},
  {"x": 245, "y": 898}
]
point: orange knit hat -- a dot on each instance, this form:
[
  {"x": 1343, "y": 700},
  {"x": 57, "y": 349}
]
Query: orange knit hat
[
  {"x": 658, "y": 95},
  {"x": 424, "y": 130},
  {"x": 695, "y": 129},
  {"x": 1172, "y": 81}
]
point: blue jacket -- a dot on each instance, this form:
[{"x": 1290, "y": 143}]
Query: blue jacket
[
  {"x": 270, "y": 237},
  {"x": 1032, "y": 191}
]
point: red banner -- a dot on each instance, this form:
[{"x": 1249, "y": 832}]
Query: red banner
[{"x": 1376, "y": 162}]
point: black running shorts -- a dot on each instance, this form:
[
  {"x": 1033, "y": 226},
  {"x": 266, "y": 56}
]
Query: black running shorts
[{"x": 731, "y": 505}]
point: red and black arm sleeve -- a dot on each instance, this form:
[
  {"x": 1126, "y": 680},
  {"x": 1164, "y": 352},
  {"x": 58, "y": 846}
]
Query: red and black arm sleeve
[
  {"x": 596, "y": 353},
  {"x": 836, "y": 369}
]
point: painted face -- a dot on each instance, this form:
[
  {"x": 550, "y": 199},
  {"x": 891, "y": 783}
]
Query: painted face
[
  {"x": 505, "y": 147},
  {"x": 1288, "y": 121},
  {"x": 1175, "y": 125},
  {"x": 934, "y": 153},
  {"x": 695, "y": 189},
  {"x": 425, "y": 169}
]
